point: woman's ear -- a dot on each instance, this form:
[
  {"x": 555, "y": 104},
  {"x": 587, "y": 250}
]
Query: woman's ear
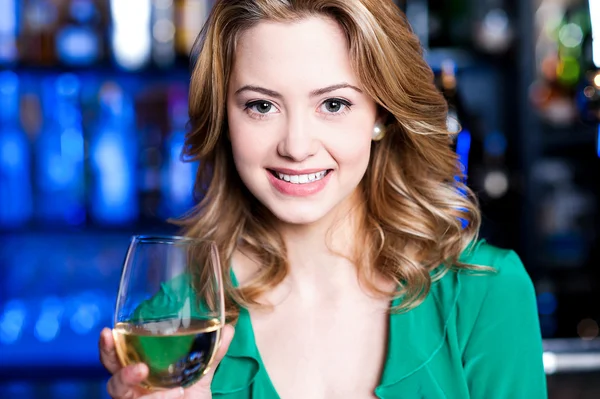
[
  {"x": 383, "y": 116},
  {"x": 379, "y": 129}
]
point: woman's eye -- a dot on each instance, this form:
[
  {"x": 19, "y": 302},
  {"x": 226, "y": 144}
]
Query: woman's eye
[
  {"x": 261, "y": 107},
  {"x": 334, "y": 106}
]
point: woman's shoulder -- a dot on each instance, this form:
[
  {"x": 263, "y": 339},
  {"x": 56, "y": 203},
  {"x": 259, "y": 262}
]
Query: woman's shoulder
[
  {"x": 501, "y": 288},
  {"x": 503, "y": 268}
]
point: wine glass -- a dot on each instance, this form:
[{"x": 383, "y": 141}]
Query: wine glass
[{"x": 170, "y": 309}]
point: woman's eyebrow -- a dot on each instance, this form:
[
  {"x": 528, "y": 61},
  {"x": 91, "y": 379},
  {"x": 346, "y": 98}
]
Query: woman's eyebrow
[
  {"x": 314, "y": 93},
  {"x": 259, "y": 89},
  {"x": 320, "y": 92}
]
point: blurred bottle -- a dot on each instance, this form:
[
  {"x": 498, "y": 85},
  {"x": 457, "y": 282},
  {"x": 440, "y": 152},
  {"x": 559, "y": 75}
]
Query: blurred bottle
[
  {"x": 559, "y": 54},
  {"x": 493, "y": 31},
  {"x": 60, "y": 154},
  {"x": 481, "y": 153},
  {"x": 190, "y": 16},
  {"x": 594, "y": 8},
  {"x": 79, "y": 37},
  {"x": 447, "y": 82},
  {"x": 113, "y": 150},
  {"x": 571, "y": 33},
  {"x": 457, "y": 120},
  {"x": 178, "y": 176},
  {"x": 588, "y": 91},
  {"x": 131, "y": 37},
  {"x": 163, "y": 33},
  {"x": 15, "y": 178},
  {"x": 153, "y": 125},
  {"x": 37, "y": 40},
  {"x": 9, "y": 28}
]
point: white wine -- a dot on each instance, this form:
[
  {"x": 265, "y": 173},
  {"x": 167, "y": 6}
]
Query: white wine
[{"x": 177, "y": 354}]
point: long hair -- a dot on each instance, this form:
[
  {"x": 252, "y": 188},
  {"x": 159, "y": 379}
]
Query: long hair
[{"x": 418, "y": 216}]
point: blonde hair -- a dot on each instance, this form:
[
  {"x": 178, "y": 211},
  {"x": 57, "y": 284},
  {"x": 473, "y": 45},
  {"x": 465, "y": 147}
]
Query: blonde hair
[{"x": 418, "y": 217}]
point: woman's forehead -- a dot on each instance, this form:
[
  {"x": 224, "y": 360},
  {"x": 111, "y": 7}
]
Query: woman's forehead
[{"x": 311, "y": 50}]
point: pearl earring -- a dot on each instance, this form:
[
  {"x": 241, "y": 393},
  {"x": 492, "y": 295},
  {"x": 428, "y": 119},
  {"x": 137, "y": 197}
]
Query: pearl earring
[{"x": 378, "y": 132}]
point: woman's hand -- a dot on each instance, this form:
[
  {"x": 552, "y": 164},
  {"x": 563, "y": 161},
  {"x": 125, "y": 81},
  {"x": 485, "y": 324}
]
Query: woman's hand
[{"x": 124, "y": 384}]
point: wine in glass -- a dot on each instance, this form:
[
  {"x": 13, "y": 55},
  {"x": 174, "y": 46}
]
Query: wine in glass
[{"x": 170, "y": 309}]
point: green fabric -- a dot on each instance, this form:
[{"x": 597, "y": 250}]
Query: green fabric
[{"x": 474, "y": 336}]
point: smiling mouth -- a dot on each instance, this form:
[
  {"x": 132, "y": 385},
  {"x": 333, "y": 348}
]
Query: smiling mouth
[{"x": 301, "y": 179}]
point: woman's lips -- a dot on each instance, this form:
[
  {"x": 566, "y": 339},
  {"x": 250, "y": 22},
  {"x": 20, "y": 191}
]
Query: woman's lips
[{"x": 298, "y": 186}]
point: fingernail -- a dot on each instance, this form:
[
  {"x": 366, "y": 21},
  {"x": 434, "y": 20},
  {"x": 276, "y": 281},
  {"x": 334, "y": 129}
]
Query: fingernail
[
  {"x": 106, "y": 336},
  {"x": 139, "y": 370},
  {"x": 175, "y": 393}
]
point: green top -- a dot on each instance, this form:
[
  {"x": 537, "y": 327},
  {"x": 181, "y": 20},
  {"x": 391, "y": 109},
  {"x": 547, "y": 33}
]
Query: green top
[{"x": 474, "y": 336}]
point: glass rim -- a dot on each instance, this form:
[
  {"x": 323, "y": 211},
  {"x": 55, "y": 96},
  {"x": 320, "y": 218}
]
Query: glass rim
[{"x": 166, "y": 239}]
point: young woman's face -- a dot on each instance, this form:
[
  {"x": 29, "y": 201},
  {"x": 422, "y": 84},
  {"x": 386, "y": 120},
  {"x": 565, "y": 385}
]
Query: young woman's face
[{"x": 299, "y": 124}]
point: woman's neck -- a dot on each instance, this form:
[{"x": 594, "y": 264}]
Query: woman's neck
[{"x": 325, "y": 250}]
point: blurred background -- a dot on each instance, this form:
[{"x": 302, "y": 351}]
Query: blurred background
[{"x": 93, "y": 110}]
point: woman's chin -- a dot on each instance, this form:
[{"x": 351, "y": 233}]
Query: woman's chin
[{"x": 297, "y": 216}]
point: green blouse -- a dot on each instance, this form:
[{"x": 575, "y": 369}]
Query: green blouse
[{"x": 474, "y": 336}]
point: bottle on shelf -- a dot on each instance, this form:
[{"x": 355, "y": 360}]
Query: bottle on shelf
[
  {"x": 163, "y": 33},
  {"x": 16, "y": 201},
  {"x": 560, "y": 57},
  {"x": 494, "y": 31},
  {"x": 9, "y": 28},
  {"x": 473, "y": 144},
  {"x": 113, "y": 151},
  {"x": 588, "y": 91},
  {"x": 79, "y": 36},
  {"x": 131, "y": 36},
  {"x": 190, "y": 16},
  {"x": 60, "y": 153},
  {"x": 36, "y": 42},
  {"x": 178, "y": 175},
  {"x": 457, "y": 121},
  {"x": 151, "y": 108}
]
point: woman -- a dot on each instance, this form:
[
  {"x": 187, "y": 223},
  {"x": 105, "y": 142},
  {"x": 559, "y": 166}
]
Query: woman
[{"x": 331, "y": 189}]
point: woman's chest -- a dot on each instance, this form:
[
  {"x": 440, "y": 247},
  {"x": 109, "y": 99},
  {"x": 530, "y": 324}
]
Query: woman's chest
[{"x": 323, "y": 352}]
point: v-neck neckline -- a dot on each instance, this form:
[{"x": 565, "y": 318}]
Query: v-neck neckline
[
  {"x": 244, "y": 323},
  {"x": 414, "y": 338}
]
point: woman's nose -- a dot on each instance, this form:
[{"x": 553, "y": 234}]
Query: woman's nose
[{"x": 298, "y": 141}]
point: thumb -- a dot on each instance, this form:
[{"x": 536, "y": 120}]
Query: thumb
[{"x": 202, "y": 387}]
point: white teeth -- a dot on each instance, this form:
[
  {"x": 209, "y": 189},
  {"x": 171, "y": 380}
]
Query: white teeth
[{"x": 302, "y": 179}]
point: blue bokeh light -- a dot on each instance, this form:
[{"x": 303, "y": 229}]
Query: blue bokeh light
[
  {"x": 47, "y": 326},
  {"x": 112, "y": 148},
  {"x": 12, "y": 321},
  {"x": 68, "y": 85},
  {"x": 68, "y": 390},
  {"x": 463, "y": 148},
  {"x": 547, "y": 303},
  {"x": 85, "y": 318},
  {"x": 10, "y": 153},
  {"x": 495, "y": 144},
  {"x": 598, "y": 142}
]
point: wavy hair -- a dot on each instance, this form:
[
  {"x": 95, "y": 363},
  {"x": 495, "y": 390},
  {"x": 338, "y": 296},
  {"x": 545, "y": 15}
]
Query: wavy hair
[{"x": 418, "y": 216}]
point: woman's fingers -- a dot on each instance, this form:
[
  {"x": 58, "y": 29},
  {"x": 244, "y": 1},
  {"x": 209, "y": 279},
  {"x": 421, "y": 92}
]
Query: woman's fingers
[
  {"x": 124, "y": 383},
  {"x": 108, "y": 354}
]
